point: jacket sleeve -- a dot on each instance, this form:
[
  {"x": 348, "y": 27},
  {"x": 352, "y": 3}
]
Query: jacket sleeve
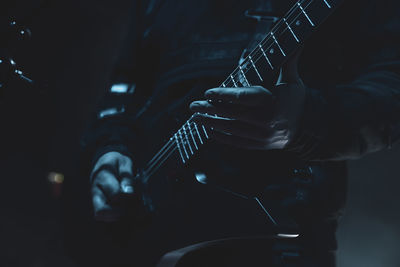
[
  {"x": 112, "y": 127},
  {"x": 347, "y": 121}
]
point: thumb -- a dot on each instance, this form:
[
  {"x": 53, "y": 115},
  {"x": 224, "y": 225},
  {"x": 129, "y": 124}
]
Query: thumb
[
  {"x": 289, "y": 73},
  {"x": 125, "y": 172}
]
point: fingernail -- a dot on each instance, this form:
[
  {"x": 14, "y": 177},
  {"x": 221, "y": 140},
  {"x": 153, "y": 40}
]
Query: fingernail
[
  {"x": 209, "y": 92},
  {"x": 128, "y": 189}
]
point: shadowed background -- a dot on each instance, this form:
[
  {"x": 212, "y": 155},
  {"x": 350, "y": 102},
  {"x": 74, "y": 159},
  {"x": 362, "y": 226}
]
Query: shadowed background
[{"x": 70, "y": 54}]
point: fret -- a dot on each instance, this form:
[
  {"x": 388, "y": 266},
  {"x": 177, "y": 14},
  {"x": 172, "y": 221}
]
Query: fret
[
  {"x": 244, "y": 77},
  {"x": 223, "y": 85},
  {"x": 318, "y": 11},
  {"x": 255, "y": 68},
  {"x": 291, "y": 30},
  {"x": 183, "y": 144},
  {"x": 277, "y": 43},
  {"x": 191, "y": 134},
  {"x": 265, "y": 55},
  {"x": 179, "y": 148},
  {"x": 327, "y": 4},
  {"x": 187, "y": 139},
  {"x": 205, "y": 132},
  {"x": 198, "y": 133},
  {"x": 305, "y": 14},
  {"x": 233, "y": 80}
]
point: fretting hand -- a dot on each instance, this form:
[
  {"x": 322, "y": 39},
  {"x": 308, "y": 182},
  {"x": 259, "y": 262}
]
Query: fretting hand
[{"x": 253, "y": 117}]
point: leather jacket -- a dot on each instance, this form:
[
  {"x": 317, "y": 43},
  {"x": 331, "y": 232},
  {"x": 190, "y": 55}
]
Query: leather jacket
[{"x": 178, "y": 49}]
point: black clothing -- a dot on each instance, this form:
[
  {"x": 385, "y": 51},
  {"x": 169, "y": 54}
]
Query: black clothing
[{"x": 178, "y": 49}]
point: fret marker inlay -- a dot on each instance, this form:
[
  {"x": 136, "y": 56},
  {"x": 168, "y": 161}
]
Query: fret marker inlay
[{"x": 277, "y": 43}]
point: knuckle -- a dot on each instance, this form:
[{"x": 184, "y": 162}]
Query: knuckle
[
  {"x": 125, "y": 164},
  {"x": 104, "y": 177}
]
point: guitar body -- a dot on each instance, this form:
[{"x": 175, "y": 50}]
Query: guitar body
[{"x": 188, "y": 211}]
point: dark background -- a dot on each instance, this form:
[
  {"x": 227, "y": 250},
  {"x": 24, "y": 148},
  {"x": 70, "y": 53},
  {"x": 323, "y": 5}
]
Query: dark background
[{"x": 70, "y": 55}]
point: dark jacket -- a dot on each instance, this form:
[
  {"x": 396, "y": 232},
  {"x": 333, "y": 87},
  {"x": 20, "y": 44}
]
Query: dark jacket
[{"x": 178, "y": 49}]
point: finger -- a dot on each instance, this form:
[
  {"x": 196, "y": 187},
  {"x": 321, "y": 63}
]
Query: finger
[
  {"x": 108, "y": 184},
  {"x": 125, "y": 167},
  {"x": 102, "y": 210},
  {"x": 125, "y": 175},
  {"x": 106, "y": 161},
  {"x": 274, "y": 142},
  {"x": 257, "y": 116},
  {"x": 233, "y": 127},
  {"x": 248, "y": 96}
]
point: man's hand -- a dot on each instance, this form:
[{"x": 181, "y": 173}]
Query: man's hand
[
  {"x": 253, "y": 117},
  {"x": 112, "y": 186}
]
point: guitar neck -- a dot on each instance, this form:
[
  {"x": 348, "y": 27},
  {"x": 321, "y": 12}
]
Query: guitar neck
[{"x": 285, "y": 38}]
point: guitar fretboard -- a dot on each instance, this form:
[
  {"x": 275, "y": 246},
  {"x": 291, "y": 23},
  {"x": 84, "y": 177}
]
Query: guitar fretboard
[{"x": 258, "y": 67}]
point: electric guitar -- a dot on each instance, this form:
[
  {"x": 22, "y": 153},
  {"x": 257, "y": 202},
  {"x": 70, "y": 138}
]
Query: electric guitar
[{"x": 260, "y": 66}]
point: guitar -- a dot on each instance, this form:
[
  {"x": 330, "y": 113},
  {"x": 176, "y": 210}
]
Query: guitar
[{"x": 260, "y": 66}]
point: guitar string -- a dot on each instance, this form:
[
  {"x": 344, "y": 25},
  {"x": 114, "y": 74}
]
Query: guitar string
[
  {"x": 173, "y": 140},
  {"x": 262, "y": 43},
  {"x": 291, "y": 12},
  {"x": 170, "y": 142},
  {"x": 257, "y": 52},
  {"x": 156, "y": 164},
  {"x": 159, "y": 152}
]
